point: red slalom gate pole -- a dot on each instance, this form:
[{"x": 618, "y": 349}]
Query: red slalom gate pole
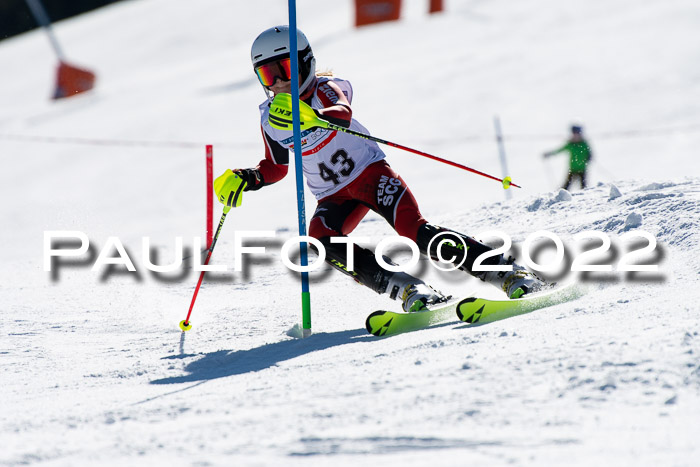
[{"x": 210, "y": 195}]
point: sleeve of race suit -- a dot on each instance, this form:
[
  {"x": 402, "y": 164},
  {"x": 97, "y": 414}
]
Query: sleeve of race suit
[
  {"x": 271, "y": 169},
  {"x": 336, "y": 108}
]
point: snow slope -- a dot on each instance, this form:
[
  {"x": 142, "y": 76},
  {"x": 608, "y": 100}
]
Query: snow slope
[{"x": 95, "y": 370}]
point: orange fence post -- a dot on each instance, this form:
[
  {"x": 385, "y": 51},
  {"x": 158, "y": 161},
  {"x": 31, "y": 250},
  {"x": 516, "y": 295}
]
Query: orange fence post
[
  {"x": 435, "y": 6},
  {"x": 376, "y": 11}
]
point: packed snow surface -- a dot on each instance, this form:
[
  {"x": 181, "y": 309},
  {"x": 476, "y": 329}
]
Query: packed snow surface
[{"x": 95, "y": 370}]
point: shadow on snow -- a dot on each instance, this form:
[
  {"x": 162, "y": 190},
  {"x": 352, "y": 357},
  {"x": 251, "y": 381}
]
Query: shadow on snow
[{"x": 223, "y": 363}]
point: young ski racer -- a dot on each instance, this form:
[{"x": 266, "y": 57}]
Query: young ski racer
[{"x": 349, "y": 176}]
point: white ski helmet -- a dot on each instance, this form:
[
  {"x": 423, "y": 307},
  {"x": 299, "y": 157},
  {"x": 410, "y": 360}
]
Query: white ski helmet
[{"x": 273, "y": 44}]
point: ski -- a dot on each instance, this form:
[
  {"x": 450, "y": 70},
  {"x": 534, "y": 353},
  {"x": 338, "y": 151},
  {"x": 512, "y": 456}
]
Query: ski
[
  {"x": 472, "y": 310},
  {"x": 387, "y": 323},
  {"x": 475, "y": 310}
]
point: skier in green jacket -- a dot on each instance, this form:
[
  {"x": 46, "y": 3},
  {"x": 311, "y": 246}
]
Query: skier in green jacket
[{"x": 580, "y": 155}]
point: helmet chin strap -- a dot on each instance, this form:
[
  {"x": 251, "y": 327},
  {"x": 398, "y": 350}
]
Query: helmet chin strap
[{"x": 268, "y": 94}]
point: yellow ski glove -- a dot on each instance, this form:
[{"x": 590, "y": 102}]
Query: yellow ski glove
[{"x": 229, "y": 189}]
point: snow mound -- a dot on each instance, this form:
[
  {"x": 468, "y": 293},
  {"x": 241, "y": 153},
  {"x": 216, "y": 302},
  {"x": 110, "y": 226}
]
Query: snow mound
[
  {"x": 633, "y": 221},
  {"x": 666, "y": 210},
  {"x": 614, "y": 192},
  {"x": 548, "y": 200}
]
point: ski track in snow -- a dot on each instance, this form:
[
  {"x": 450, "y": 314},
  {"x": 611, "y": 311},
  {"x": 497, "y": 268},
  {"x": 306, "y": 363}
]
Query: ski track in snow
[{"x": 96, "y": 372}]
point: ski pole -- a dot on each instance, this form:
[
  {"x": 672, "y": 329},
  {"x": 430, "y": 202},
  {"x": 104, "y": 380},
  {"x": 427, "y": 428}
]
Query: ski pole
[
  {"x": 548, "y": 171},
  {"x": 280, "y": 118},
  {"x": 185, "y": 324}
]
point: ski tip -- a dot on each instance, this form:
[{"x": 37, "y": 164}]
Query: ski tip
[
  {"x": 375, "y": 325},
  {"x": 460, "y": 315}
]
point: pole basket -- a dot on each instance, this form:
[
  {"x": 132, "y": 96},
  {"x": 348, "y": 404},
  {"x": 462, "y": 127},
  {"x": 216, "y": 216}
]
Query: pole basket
[{"x": 71, "y": 80}]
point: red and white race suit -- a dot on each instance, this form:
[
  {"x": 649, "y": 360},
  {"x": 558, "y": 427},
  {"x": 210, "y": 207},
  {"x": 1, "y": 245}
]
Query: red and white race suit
[{"x": 331, "y": 159}]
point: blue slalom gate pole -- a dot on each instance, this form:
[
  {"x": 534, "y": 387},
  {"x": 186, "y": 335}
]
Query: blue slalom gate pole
[{"x": 301, "y": 207}]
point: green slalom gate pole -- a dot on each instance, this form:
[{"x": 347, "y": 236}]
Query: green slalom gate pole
[{"x": 294, "y": 58}]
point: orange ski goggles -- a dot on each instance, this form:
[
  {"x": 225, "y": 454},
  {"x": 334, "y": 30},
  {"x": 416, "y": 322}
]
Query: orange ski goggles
[{"x": 269, "y": 72}]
